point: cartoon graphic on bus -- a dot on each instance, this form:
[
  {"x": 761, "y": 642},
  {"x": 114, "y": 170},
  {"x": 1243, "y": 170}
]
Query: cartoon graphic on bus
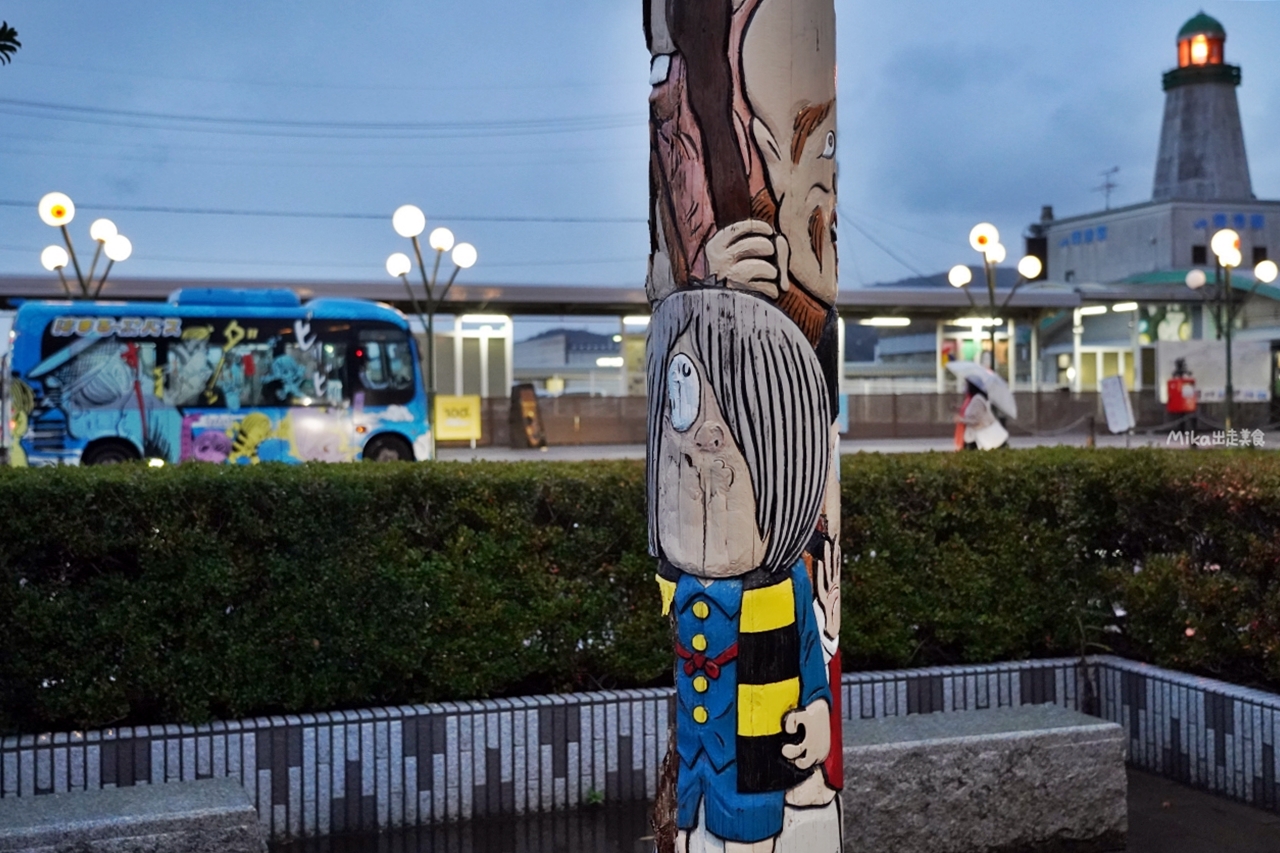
[{"x": 225, "y": 376}]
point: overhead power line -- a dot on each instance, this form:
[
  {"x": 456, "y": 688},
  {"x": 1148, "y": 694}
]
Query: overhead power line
[
  {"x": 433, "y": 87},
  {"x": 302, "y": 214},
  {"x": 315, "y": 129},
  {"x": 881, "y": 246}
]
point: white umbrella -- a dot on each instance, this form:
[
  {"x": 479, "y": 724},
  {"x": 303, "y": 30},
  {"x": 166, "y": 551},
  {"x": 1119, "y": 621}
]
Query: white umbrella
[{"x": 998, "y": 393}]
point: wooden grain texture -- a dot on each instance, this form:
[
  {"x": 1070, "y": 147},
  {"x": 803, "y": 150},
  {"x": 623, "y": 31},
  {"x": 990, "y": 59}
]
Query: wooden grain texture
[{"x": 743, "y": 392}]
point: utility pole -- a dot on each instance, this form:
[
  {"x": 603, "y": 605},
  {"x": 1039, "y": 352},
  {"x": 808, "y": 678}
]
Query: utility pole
[
  {"x": 1108, "y": 185},
  {"x": 743, "y": 388}
]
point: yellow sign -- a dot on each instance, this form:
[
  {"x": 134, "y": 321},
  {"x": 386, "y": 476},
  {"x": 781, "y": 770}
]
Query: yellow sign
[{"x": 458, "y": 418}]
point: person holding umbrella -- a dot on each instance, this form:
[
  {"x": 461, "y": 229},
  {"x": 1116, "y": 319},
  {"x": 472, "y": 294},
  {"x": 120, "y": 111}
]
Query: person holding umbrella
[{"x": 985, "y": 392}]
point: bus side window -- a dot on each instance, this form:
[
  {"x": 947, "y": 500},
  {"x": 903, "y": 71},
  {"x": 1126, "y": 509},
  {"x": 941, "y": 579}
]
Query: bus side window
[
  {"x": 331, "y": 377},
  {"x": 109, "y": 373},
  {"x": 385, "y": 362},
  {"x": 188, "y": 368},
  {"x": 314, "y": 375},
  {"x": 220, "y": 363}
]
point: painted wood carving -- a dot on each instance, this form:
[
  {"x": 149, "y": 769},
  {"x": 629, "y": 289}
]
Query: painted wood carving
[{"x": 743, "y": 390}]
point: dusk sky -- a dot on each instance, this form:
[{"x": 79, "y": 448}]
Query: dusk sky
[{"x": 488, "y": 112}]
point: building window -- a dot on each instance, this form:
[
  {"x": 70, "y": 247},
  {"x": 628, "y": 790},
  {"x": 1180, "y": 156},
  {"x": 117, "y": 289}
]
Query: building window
[
  {"x": 1259, "y": 254},
  {"x": 1199, "y": 256}
]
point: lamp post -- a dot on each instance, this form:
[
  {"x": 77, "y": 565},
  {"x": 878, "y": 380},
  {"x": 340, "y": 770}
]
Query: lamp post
[
  {"x": 1226, "y": 249},
  {"x": 985, "y": 239},
  {"x": 57, "y": 210},
  {"x": 409, "y": 221}
]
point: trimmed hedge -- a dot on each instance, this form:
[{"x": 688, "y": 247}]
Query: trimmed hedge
[{"x": 188, "y": 593}]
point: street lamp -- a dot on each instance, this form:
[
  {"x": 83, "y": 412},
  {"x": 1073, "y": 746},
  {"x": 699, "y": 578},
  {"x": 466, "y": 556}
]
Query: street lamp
[
  {"x": 57, "y": 211},
  {"x": 409, "y": 221},
  {"x": 1226, "y": 249},
  {"x": 985, "y": 239}
]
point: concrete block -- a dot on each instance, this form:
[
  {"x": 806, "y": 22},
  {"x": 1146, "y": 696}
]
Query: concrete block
[
  {"x": 1034, "y": 778},
  {"x": 204, "y": 816}
]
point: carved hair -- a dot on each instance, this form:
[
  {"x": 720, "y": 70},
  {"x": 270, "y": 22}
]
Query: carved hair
[
  {"x": 807, "y": 121},
  {"x": 770, "y": 387}
]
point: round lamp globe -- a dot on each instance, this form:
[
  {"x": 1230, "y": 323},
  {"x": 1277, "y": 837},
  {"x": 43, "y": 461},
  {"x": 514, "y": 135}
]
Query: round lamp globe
[
  {"x": 1266, "y": 272},
  {"x": 54, "y": 258},
  {"x": 103, "y": 230},
  {"x": 408, "y": 220},
  {"x": 56, "y": 209},
  {"x": 983, "y": 236},
  {"x": 960, "y": 275},
  {"x": 118, "y": 248},
  {"x": 398, "y": 264},
  {"x": 1225, "y": 241},
  {"x": 441, "y": 239},
  {"x": 464, "y": 255}
]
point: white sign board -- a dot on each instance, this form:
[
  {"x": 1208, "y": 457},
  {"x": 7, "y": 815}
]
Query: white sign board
[
  {"x": 1116, "y": 404},
  {"x": 1207, "y": 361}
]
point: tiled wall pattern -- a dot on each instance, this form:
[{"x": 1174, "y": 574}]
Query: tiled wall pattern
[
  {"x": 1198, "y": 731},
  {"x": 319, "y": 774}
]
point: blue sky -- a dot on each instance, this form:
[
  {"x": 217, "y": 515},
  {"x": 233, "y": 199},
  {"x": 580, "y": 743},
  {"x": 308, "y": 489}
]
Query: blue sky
[{"x": 950, "y": 113}]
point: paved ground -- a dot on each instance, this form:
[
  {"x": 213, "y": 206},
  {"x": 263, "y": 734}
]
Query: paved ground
[
  {"x": 1164, "y": 817},
  {"x": 904, "y": 445}
]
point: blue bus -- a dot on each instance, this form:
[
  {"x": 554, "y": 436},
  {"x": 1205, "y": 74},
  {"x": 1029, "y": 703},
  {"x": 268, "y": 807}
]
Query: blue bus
[{"x": 227, "y": 376}]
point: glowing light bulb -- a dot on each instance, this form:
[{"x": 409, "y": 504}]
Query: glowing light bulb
[
  {"x": 398, "y": 264},
  {"x": 54, "y": 258},
  {"x": 408, "y": 220},
  {"x": 983, "y": 236},
  {"x": 103, "y": 230},
  {"x": 1199, "y": 50},
  {"x": 56, "y": 209},
  {"x": 1030, "y": 267},
  {"x": 464, "y": 255},
  {"x": 960, "y": 275},
  {"x": 441, "y": 239},
  {"x": 1266, "y": 272},
  {"x": 1225, "y": 241},
  {"x": 997, "y": 253},
  {"x": 118, "y": 248}
]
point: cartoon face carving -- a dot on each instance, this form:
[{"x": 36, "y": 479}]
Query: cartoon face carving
[
  {"x": 794, "y": 126},
  {"x": 704, "y": 484},
  {"x": 738, "y": 462}
]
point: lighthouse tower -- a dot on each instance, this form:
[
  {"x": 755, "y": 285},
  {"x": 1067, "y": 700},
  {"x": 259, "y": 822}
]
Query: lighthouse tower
[{"x": 1202, "y": 156}]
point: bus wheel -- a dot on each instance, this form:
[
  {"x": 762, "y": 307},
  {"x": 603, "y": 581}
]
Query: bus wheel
[
  {"x": 109, "y": 452},
  {"x": 387, "y": 448}
]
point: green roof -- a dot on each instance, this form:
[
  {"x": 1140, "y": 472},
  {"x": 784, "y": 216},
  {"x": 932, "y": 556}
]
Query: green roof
[
  {"x": 1201, "y": 23},
  {"x": 1242, "y": 280}
]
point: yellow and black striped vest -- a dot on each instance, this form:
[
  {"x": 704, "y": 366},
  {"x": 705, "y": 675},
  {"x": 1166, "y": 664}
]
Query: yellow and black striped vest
[{"x": 768, "y": 674}]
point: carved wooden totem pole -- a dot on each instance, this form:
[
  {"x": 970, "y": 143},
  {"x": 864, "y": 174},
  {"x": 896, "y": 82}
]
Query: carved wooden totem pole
[{"x": 744, "y": 506}]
